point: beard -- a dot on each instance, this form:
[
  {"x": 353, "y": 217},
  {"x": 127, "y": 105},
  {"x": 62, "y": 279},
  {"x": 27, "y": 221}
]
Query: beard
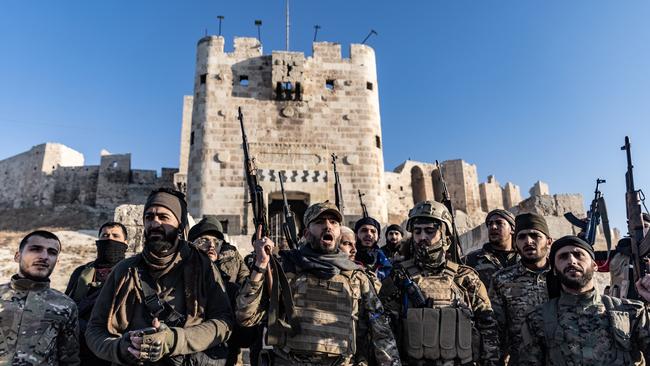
[
  {"x": 316, "y": 245},
  {"x": 576, "y": 283},
  {"x": 161, "y": 247}
]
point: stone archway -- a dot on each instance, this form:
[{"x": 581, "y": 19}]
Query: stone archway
[
  {"x": 298, "y": 203},
  {"x": 418, "y": 185}
]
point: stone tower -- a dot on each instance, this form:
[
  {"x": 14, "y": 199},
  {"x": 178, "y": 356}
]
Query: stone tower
[{"x": 297, "y": 111}]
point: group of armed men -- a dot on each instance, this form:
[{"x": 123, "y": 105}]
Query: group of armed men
[{"x": 189, "y": 298}]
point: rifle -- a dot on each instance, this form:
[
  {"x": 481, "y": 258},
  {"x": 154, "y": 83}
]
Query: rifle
[
  {"x": 255, "y": 191},
  {"x": 597, "y": 212},
  {"x": 457, "y": 250},
  {"x": 634, "y": 218},
  {"x": 289, "y": 224},
  {"x": 411, "y": 289},
  {"x": 338, "y": 191},
  {"x": 277, "y": 283},
  {"x": 363, "y": 205}
]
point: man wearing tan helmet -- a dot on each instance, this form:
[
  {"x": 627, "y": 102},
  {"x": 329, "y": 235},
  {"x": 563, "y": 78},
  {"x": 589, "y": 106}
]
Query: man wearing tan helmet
[{"x": 439, "y": 307}]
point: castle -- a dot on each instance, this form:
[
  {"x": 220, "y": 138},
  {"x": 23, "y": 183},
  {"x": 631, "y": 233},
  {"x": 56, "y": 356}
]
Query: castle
[{"x": 298, "y": 110}]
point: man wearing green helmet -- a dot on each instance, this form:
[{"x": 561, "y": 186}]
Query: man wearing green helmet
[{"x": 441, "y": 308}]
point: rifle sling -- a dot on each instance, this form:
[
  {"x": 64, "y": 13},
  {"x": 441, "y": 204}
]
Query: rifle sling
[
  {"x": 280, "y": 297},
  {"x": 157, "y": 307}
]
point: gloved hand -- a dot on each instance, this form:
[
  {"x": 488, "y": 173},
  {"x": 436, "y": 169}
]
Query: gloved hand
[
  {"x": 153, "y": 343},
  {"x": 156, "y": 345}
]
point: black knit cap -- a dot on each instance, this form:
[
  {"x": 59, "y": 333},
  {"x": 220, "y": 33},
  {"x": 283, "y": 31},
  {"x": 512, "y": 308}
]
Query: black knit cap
[
  {"x": 570, "y": 240},
  {"x": 172, "y": 200},
  {"x": 395, "y": 227},
  {"x": 504, "y": 214},
  {"x": 367, "y": 221},
  {"x": 209, "y": 225},
  {"x": 531, "y": 221}
]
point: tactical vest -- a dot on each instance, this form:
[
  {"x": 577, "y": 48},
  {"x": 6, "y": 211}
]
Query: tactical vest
[
  {"x": 83, "y": 282},
  {"x": 443, "y": 330},
  {"x": 325, "y": 314},
  {"x": 619, "y": 322}
]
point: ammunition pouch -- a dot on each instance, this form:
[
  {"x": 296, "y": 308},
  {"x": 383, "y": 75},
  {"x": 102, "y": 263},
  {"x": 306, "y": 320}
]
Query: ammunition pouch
[
  {"x": 439, "y": 334},
  {"x": 325, "y": 315}
]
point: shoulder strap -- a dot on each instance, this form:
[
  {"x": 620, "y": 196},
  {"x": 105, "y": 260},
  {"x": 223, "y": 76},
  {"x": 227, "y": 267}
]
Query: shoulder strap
[
  {"x": 549, "y": 312},
  {"x": 157, "y": 307}
]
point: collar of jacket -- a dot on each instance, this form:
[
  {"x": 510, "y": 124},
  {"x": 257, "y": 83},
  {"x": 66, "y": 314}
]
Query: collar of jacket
[
  {"x": 24, "y": 284},
  {"x": 583, "y": 300},
  {"x": 525, "y": 270}
]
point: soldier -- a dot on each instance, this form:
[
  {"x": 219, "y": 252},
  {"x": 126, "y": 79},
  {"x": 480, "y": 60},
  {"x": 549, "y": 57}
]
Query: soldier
[
  {"x": 367, "y": 231},
  {"x": 207, "y": 235},
  {"x": 348, "y": 245},
  {"x": 334, "y": 303},
  {"x": 165, "y": 305},
  {"x": 581, "y": 327},
  {"x": 443, "y": 323},
  {"x": 517, "y": 290},
  {"x": 394, "y": 236},
  {"x": 498, "y": 252},
  {"x": 39, "y": 325}
]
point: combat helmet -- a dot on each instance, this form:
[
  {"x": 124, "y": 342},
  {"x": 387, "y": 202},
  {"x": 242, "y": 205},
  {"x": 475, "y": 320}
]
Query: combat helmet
[{"x": 430, "y": 209}]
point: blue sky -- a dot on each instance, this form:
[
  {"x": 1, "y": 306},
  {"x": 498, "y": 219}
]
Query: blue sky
[{"x": 525, "y": 89}]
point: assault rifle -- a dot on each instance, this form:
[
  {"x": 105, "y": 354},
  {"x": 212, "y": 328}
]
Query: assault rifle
[
  {"x": 289, "y": 224},
  {"x": 456, "y": 249},
  {"x": 255, "y": 191},
  {"x": 277, "y": 283},
  {"x": 588, "y": 228},
  {"x": 634, "y": 218},
  {"x": 411, "y": 290},
  {"x": 364, "y": 209},
  {"x": 338, "y": 191}
]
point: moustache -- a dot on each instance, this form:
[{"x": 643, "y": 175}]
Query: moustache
[{"x": 573, "y": 268}]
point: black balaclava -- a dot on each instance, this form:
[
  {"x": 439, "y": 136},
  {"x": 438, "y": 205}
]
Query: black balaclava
[{"x": 109, "y": 252}]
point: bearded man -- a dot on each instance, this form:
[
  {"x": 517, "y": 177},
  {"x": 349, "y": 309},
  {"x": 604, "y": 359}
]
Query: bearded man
[
  {"x": 165, "y": 305},
  {"x": 333, "y": 306},
  {"x": 517, "y": 290},
  {"x": 582, "y": 327},
  {"x": 451, "y": 321}
]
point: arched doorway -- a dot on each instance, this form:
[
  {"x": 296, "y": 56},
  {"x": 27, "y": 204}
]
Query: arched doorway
[
  {"x": 298, "y": 203},
  {"x": 417, "y": 185}
]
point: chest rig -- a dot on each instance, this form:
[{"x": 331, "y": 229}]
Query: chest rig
[
  {"x": 442, "y": 329},
  {"x": 326, "y": 312}
]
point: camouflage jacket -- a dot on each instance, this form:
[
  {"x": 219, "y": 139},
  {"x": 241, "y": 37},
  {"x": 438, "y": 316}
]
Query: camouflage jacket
[
  {"x": 372, "y": 324},
  {"x": 486, "y": 261},
  {"x": 475, "y": 294},
  {"x": 515, "y": 291},
  {"x": 38, "y": 325},
  {"x": 231, "y": 264},
  {"x": 584, "y": 332}
]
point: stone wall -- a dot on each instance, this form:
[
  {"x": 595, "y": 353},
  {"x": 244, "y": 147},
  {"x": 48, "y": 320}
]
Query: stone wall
[
  {"x": 491, "y": 194},
  {"x": 298, "y": 110},
  {"x": 53, "y": 174}
]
